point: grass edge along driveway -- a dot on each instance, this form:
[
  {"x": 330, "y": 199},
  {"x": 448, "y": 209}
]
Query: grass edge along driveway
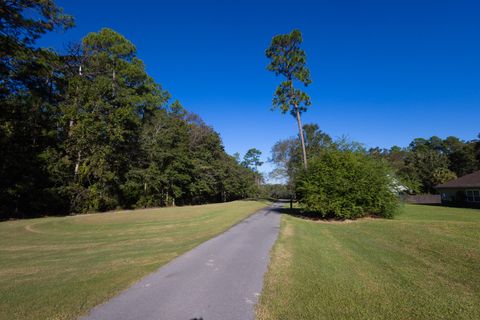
[
  {"x": 424, "y": 264},
  {"x": 61, "y": 267}
]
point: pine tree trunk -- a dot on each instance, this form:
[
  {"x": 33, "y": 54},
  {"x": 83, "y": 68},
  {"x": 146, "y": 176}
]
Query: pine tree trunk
[
  {"x": 302, "y": 138},
  {"x": 79, "y": 154},
  {"x": 113, "y": 83},
  {"x": 77, "y": 164},
  {"x": 145, "y": 190}
]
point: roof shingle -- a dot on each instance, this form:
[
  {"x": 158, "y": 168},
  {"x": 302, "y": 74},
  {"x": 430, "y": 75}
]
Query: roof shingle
[{"x": 471, "y": 180}]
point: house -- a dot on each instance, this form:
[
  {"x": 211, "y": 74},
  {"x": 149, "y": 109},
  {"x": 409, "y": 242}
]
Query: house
[
  {"x": 464, "y": 191},
  {"x": 397, "y": 187}
]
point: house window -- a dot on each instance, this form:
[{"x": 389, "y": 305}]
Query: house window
[{"x": 472, "y": 195}]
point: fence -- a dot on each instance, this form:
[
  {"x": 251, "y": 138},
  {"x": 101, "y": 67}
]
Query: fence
[{"x": 423, "y": 198}]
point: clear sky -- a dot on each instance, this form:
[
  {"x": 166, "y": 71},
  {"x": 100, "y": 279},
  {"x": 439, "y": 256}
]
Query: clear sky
[{"x": 384, "y": 72}]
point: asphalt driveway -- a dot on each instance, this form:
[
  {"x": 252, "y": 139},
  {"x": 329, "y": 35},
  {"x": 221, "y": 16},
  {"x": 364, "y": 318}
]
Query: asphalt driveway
[{"x": 218, "y": 280}]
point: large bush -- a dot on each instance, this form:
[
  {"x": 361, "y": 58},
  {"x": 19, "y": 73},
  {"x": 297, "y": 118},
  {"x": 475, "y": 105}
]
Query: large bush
[{"x": 346, "y": 185}]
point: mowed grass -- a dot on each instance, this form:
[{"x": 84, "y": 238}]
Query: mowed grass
[
  {"x": 59, "y": 268},
  {"x": 424, "y": 264}
]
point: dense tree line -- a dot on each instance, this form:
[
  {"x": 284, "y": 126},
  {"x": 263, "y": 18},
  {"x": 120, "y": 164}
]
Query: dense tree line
[
  {"x": 420, "y": 166},
  {"x": 90, "y": 130},
  {"x": 428, "y": 162}
]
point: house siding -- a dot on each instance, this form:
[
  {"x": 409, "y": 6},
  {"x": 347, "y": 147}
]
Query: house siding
[{"x": 456, "y": 197}]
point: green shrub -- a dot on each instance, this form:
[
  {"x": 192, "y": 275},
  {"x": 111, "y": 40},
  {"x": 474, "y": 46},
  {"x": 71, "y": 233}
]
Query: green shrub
[{"x": 346, "y": 185}]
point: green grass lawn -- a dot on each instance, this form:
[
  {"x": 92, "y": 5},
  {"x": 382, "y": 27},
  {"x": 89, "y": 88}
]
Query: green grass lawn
[
  {"x": 424, "y": 264},
  {"x": 59, "y": 268}
]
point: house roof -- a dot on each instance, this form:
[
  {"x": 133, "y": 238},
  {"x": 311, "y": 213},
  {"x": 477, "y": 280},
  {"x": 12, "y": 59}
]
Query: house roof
[{"x": 471, "y": 180}]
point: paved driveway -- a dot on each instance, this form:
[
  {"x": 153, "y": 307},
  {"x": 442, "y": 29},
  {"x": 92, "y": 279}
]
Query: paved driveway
[{"x": 219, "y": 280}]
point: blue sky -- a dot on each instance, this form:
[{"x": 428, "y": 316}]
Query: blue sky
[{"x": 384, "y": 72}]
